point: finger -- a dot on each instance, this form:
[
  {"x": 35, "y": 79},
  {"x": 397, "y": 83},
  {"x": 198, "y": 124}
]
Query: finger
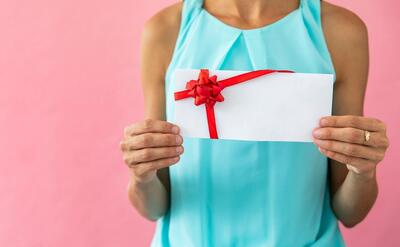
[
  {"x": 144, "y": 169},
  {"x": 358, "y": 122},
  {"x": 151, "y": 125},
  {"x": 155, "y": 164},
  {"x": 151, "y": 140},
  {"x": 350, "y": 149},
  {"x": 351, "y": 135},
  {"x": 361, "y": 165},
  {"x": 150, "y": 154}
]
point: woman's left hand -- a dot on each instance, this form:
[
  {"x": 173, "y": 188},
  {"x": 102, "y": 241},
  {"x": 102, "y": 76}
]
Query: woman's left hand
[{"x": 359, "y": 142}]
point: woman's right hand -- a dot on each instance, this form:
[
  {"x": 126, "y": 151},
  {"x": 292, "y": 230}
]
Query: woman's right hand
[{"x": 149, "y": 145}]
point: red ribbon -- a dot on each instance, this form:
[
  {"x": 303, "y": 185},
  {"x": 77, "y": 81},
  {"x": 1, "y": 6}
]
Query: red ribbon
[{"x": 207, "y": 90}]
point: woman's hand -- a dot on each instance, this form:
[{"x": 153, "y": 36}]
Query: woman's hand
[
  {"x": 359, "y": 142},
  {"x": 150, "y": 145}
]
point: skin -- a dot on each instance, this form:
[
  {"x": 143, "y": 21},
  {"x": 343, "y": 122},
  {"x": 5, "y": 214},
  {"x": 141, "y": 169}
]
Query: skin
[{"x": 150, "y": 146}]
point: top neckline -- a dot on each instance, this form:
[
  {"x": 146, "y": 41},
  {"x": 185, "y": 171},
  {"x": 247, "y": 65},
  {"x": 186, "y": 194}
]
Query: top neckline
[{"x": 264, "y": 27}]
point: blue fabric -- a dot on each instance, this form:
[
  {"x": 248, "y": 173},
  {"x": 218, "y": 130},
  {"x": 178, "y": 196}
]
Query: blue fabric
[{"x": 231, "y": 193}]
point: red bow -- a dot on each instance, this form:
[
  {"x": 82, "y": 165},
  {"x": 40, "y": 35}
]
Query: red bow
[{"x": 207, "y": 90}]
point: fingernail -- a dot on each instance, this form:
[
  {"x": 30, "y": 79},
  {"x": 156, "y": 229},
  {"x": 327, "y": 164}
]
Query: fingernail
[
  {"x": 317, "y": 133},
  {"x": 179, "y": 149},
  {"x": 317, "y": 141},
  {"x": 175, "y": 129},
  {"x": 324, "y": 121},
  {"x": 178, "y": 140}
]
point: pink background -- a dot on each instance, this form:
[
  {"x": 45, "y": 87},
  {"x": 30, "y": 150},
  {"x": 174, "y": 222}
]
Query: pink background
[{"x": 69, "y": 84}]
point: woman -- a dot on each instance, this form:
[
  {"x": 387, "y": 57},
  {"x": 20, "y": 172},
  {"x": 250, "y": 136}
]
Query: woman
[{"x": 246, "y": 193}]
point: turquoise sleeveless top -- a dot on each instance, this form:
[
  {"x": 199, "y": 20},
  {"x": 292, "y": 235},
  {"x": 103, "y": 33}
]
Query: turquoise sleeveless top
[{"x": 234, "y": 193}]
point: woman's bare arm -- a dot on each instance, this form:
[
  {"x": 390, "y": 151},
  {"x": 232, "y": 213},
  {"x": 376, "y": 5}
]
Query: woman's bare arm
[
  {"x": 151, "y": 198},
  {"x": 346, "y": 35}
]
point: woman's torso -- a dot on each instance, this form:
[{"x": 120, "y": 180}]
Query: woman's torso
[{"x": 248, "y": 193}]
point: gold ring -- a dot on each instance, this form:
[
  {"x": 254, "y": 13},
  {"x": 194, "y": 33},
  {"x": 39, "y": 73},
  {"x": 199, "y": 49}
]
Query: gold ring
[{"x": 367, "y": 135}]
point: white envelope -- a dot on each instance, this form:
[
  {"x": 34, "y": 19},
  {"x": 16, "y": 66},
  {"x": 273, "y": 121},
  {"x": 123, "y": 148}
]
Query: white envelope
[{"x": 272, "y": 107}]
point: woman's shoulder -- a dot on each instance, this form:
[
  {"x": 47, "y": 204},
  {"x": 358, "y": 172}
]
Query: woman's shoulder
[
  {"x": 342, "y": 23},
  {"x": 165, "y": 19},
  {"x": 346, "y": 37},
  {"x": 161, "y": 30}
]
